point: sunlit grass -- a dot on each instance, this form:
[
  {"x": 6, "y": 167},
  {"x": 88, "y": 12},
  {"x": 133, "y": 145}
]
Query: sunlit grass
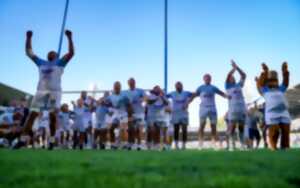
[{"x": 153, "y": 169}]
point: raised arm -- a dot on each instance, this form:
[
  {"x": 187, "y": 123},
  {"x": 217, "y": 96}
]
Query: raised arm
[
  {"x": 150, "y": 99},
  {"x": 240, "y": 71},
  {"x": 165, "y": 100},
  {"x": 229, "y": 75},
  {"x": 28, "y": 46},
  {"x": 258, "y": 86},
  {"x": 261, "y": 81},
  {"x": 163, "y": 97},
  {"x": 285, "y": 75},
  {"x": 68, "y": 56}
]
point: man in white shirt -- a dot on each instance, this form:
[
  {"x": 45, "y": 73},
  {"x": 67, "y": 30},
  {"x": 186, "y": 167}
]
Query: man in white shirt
[{"x": 48, "y": 95}]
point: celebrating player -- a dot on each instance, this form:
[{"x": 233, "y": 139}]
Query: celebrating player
[
  {"x": 236, "y": 104},
  {"x": 208, "y": 109},
  {"x": 277, "y": 117},
  {"x": 49, "y": 87}
]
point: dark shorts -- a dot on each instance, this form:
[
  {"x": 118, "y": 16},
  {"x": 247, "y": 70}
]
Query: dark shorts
[{"x": 254, "y": 134}]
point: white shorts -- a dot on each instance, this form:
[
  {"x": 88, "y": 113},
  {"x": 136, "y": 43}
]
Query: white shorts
[
  {"x": 139, "y": 119},
  {"x": 43, "y": 124},
  {"x": 180, "y": 117},
  {"x": 180, "y": 120},
  {"x": 40, "y": 126},
  {"x": 236, "y": 117},
  {"x": 101, "y": 125},
  {"x": 46, "y": 99},
  {"x": 208, "y": 113},
  {"x": 161, "y": 124},
  {"x": 40, "y": 131},
  {"x": 278, "y": 121},
  {"x": 79, "y": 127},
  {"x": 64, "y": 129},
  {"x": 118, "y": 117}
]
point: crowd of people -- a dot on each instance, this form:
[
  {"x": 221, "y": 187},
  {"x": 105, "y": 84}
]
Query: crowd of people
[{"x": 138, "y": 119}]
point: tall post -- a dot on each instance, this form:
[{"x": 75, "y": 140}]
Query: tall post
[
  {"x": 166, "y": 47},
  {"x": 63, "y": 28}
]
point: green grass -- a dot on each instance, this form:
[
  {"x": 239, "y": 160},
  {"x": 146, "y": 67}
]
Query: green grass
[{"x": 38, "y": 168}]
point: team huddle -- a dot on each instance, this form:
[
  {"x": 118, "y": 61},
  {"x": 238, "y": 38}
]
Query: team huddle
[{"x": 135, "y": 118}]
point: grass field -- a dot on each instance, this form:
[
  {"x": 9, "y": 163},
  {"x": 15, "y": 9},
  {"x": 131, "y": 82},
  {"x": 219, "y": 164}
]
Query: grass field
[{"x": 39, "y": 168}]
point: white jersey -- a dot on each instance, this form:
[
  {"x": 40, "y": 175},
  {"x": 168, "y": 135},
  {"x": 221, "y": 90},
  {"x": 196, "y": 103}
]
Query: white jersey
[
  {"x": 7, "y": 116},
  {"x": 156, "y": 110},
  {"x": 136, "y": 98},
  {"x": 78, "y": 118},
  {"x": 118, "y": 102},
  {"x": 207, "y": 94},
  {"x": 101, "y": 114},
  {"x": 50, "y": 74},
  {"x": 179, "y": 100},
  {"x": 276, "y": 106},
  {"x": 64, "y": 121},
  {"x": 48, "y": 93},
  {"x": 236, "y": 103}
]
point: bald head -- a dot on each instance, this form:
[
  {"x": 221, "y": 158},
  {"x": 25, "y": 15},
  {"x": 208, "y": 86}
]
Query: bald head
[
  {"x": 131, "y": 83},
  {"x": 52, "y": 55},
  {"x": 117, "y": 87},
  {"x": 207, "y": 78},
  {"x": 178, "y": 86}
]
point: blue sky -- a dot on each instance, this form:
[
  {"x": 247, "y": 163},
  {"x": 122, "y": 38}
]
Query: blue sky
[{"x": 117, "y": 39}]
